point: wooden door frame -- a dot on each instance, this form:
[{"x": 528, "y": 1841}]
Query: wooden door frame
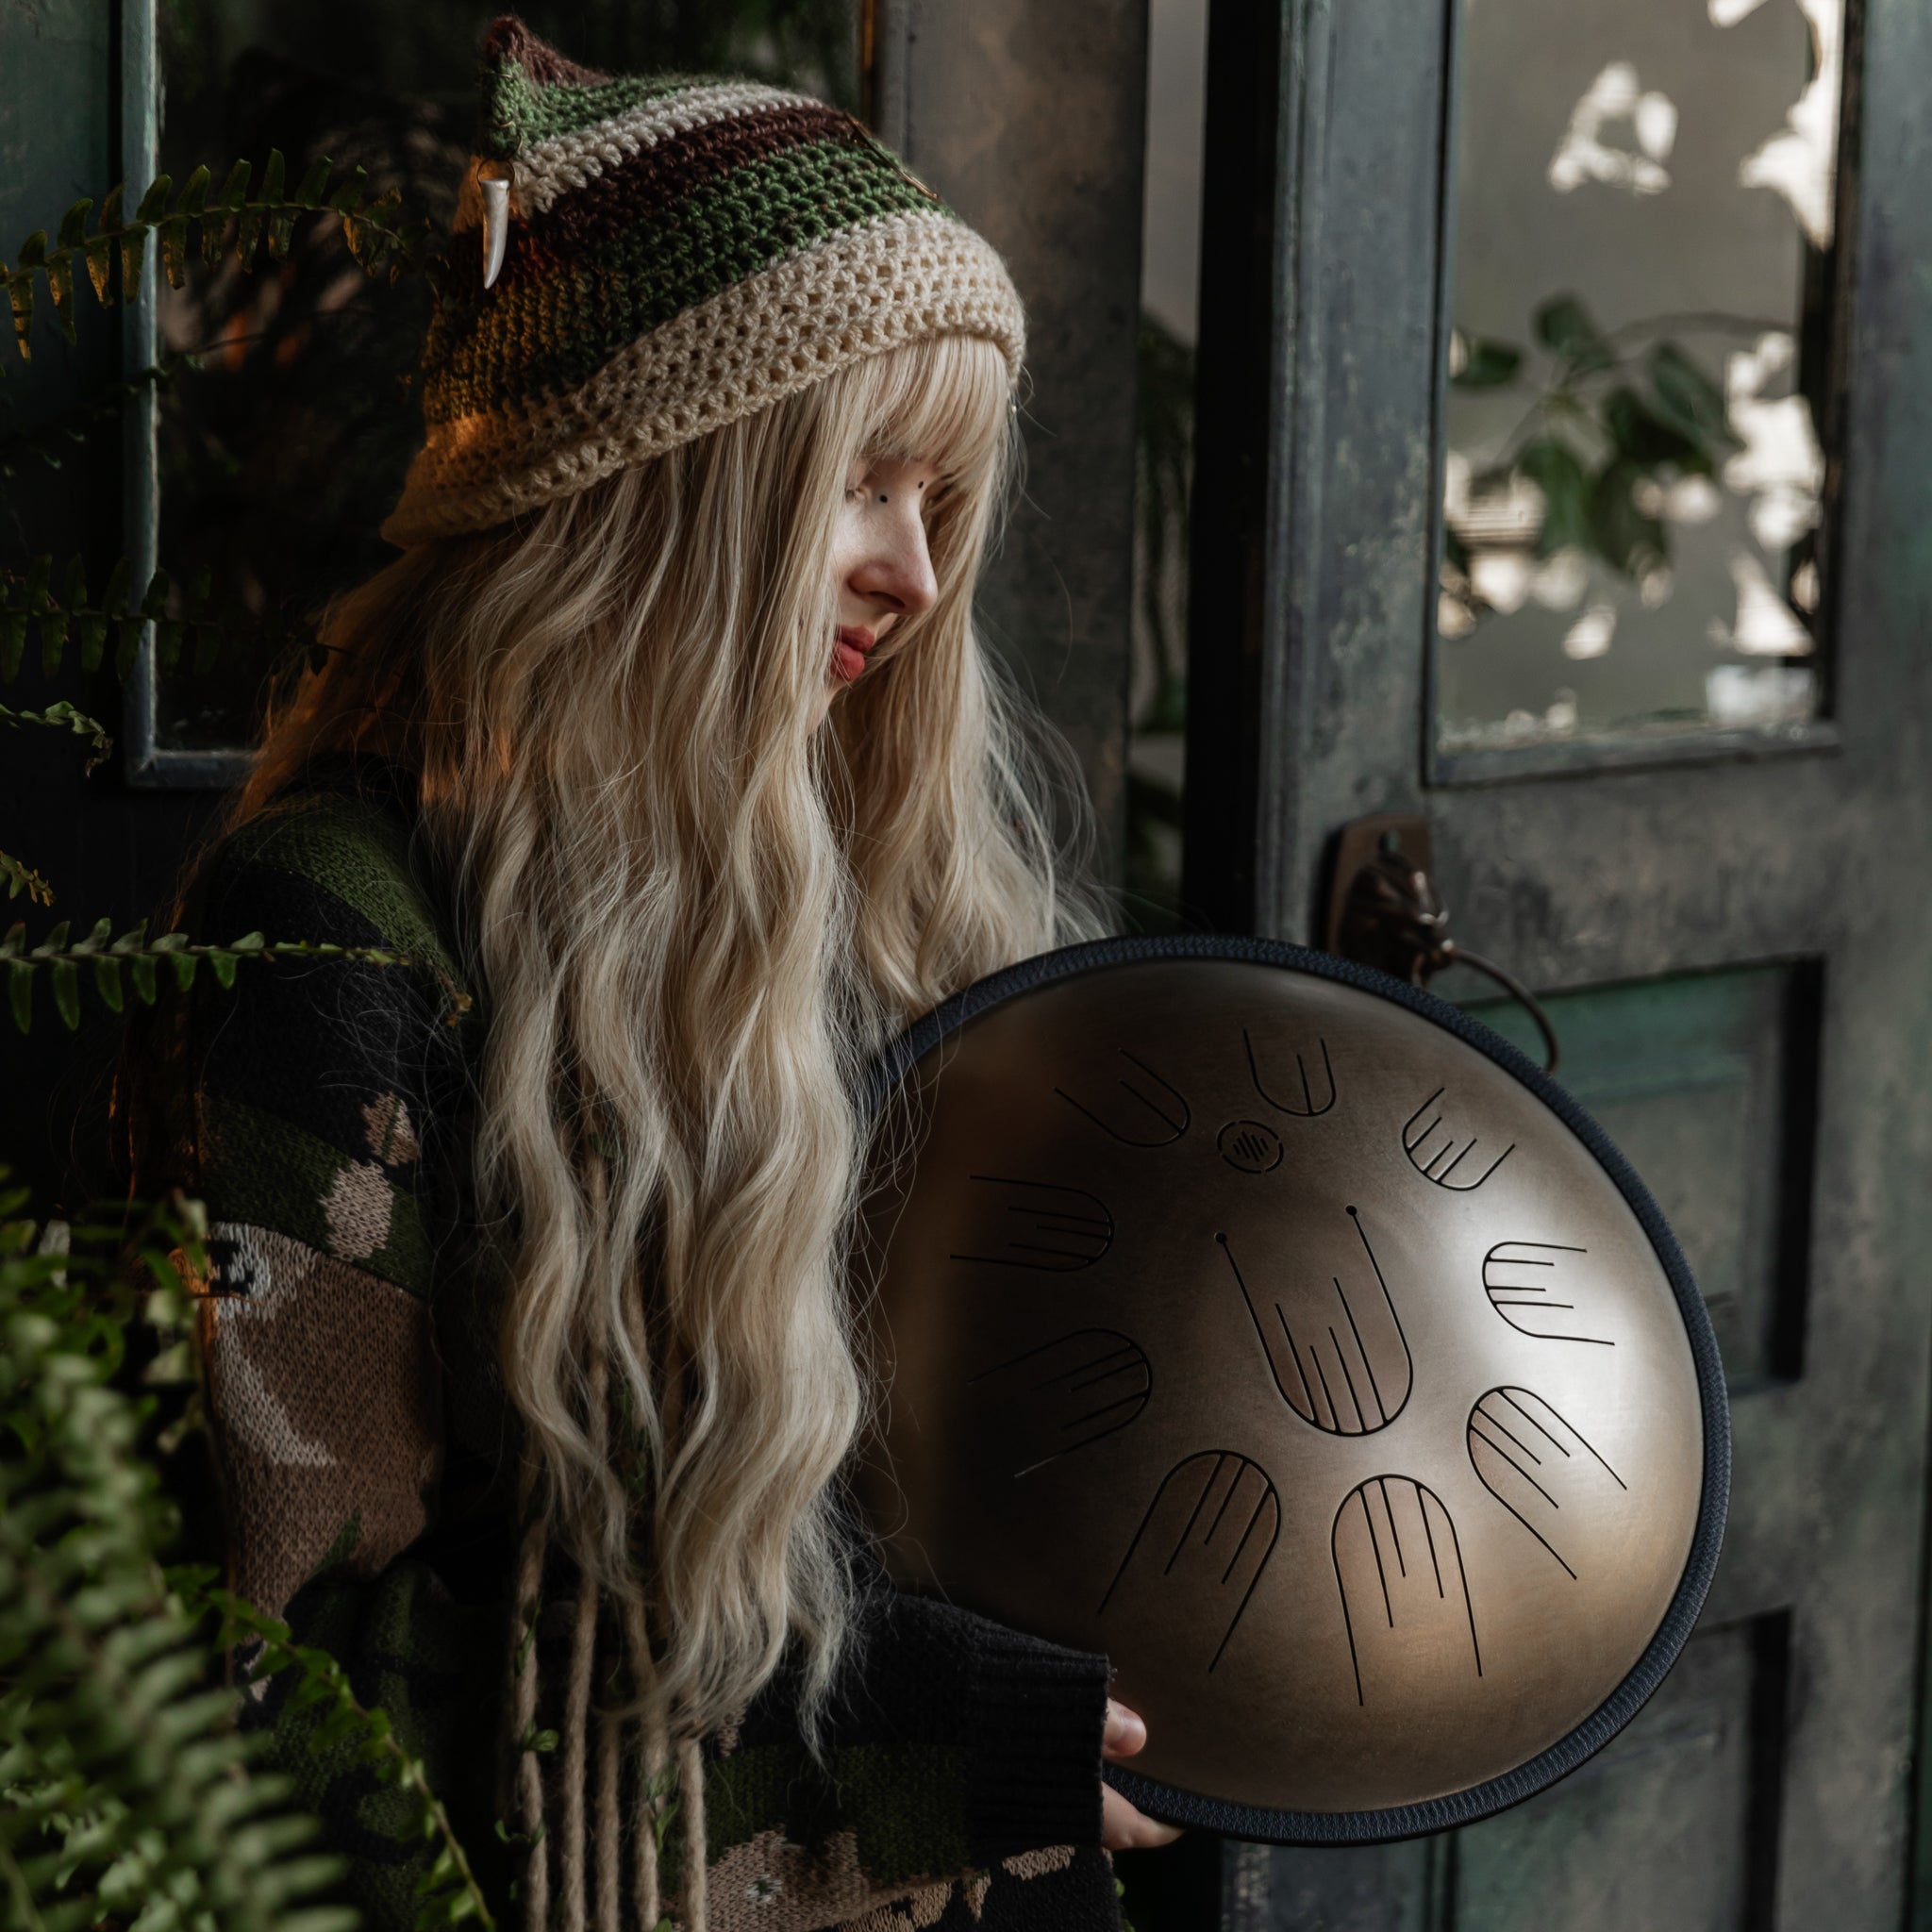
[
  {"x": 1318, "y": 414},
  {"x": 1031, "y": 122}
]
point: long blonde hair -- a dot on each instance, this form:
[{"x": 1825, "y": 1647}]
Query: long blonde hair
[{"x": 694, "y": 916}]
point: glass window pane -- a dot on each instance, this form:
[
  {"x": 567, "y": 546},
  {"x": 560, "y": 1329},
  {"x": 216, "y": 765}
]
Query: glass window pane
[
  {"x": 1634, "y": 490},
  {"x": 284, "y": 443}
]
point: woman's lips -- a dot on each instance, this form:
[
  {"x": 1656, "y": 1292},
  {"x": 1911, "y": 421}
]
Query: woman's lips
[{"x": 849, "y": 646}]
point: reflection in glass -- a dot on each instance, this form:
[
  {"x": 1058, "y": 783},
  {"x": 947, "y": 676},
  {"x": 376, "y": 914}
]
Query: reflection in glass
[
  {"x": 284, "y": 441},
  {"x": 1633, "y": 482}
]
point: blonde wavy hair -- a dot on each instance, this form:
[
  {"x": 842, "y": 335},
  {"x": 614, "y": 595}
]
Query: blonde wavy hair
[{"x": 694, "y": 915}]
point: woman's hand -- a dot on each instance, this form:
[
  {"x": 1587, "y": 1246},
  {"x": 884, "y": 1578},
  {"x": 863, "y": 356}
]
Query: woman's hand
[{"x": 1123, "y": 1828}]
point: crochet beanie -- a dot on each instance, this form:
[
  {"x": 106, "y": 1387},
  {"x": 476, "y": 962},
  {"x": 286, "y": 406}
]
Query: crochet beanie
[{"x": 671, "y": 253}]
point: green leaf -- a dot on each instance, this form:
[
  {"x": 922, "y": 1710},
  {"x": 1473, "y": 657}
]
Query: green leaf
[
  {"x": 73, "y": 223},
  {"x": 1553, "y": 467},
  {"x": 234, "y": 193},
  {"x": 93, "y": 638},
  {"x": 60, "y": 285},
  {"x": 1624, "y": 537},
  {"x": 141, "y": 969},
  {"x": 53, "y": 638},
  {"x": 1645, "y": 438},
  {"x": 97, "y": 251},
  {"x": 154, "y": 204},
  {"x": 22, "y": 878},
  {"x": 107, "y": 982},
  {"x": 349, "y": 197},
  {"x": 128, "y": 647},
  {"x": 248, "y": 233},
  {"x": 12, "y": 643},
  {"x": 20, "y": 994},
  {"x": 174, "y": 234},
  {"x": 194, "y": 193},
  {"x": 64, "y": 978},
  {"x": 1489, "y": 364},
  {"x": 1687, "y": 398},
  {"x": 1564, "y": 327},
  {"x": 19, "y": 292},
  {"x": 133, "y": 260},
  {"x": 315, "y": 184}
]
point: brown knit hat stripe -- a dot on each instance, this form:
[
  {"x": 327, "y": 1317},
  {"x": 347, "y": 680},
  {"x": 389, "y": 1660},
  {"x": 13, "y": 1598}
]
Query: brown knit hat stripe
[{"x": 555, "y": 167}]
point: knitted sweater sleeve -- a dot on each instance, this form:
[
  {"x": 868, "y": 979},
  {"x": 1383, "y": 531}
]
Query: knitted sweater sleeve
[
  {"x": 951, "y": 1743},
  {"x": 308, "y": 1091}
]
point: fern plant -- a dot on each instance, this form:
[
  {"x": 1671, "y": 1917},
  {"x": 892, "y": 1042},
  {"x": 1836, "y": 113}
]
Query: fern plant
[
  {"x": 127, "y": 1788},
  {"x": 126, "y": 1795},
  {"x": 371, "y": 229},
  {"x": 127, "y": 1799},
  {"x": 184, "y": 622}
]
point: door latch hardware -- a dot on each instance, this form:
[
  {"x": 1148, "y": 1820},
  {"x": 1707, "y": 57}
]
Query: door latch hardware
[{"x": 1384, "y": 911}]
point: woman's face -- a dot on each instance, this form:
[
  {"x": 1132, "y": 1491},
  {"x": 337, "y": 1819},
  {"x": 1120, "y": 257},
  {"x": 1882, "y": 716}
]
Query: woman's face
[{"x": 881, "y": 571}]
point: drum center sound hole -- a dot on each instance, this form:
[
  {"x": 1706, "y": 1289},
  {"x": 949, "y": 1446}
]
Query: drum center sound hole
[{"x": 1250, "y": 1146}]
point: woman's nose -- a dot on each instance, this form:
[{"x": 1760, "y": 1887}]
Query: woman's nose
[{"x": 896, "y": 567}]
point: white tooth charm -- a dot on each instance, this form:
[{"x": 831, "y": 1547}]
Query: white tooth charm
[{"x": 496, "y": 228}]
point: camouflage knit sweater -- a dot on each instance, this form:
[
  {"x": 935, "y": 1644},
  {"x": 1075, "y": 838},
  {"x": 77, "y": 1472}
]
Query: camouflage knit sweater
[{"x": 363, "y": 1446}]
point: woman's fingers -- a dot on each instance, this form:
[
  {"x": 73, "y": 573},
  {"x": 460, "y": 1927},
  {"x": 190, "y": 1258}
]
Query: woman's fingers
[
  {"x": 1124, "y": 1733},
  {"x": 1124, "y": 1827}
]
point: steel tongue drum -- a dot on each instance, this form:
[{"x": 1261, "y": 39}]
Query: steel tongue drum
[{"x": 1284, "y": 1333}]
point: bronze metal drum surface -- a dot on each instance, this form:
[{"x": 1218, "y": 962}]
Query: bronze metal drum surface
[{"x": 1275, "y": 1328}]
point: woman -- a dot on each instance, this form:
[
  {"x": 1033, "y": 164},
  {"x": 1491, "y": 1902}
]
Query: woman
[{"x": 667, "y": 759}]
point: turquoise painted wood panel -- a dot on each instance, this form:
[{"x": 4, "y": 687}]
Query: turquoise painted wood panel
[
  {"x": 1706, "y": 1081},
  {"x": 1659, "y": 1830}
]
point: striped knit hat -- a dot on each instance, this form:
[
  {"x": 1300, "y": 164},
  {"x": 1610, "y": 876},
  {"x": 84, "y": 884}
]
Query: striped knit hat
[{"x": 681, "y": 252}]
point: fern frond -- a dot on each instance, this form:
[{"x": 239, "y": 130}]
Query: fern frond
[
  {"x": 29, "y": 603},
  {"x": 447, "y": 1892},
  {"x": 141, "y": 958},
  {"x": 62, "y": 716},
  {"x": 375, "y": 236},
  {"x": 128, "y": 1790}
]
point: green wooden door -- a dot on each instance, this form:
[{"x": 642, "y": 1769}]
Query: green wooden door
[{"x": 1666, "y": 714}]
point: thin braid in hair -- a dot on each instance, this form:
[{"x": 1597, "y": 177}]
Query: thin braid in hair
[
  {"x": 691, "y": 1792},
  {"x": 525, "y": 1769},
  {"x": 574, "y": 1850},
  {"x": 609, "y": 1759},
  {"x": 646, "y": 1880}
]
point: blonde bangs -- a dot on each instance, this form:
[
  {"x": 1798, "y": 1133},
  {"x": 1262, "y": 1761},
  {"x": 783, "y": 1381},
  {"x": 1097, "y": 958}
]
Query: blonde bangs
[{"x": 943, "y": 401}]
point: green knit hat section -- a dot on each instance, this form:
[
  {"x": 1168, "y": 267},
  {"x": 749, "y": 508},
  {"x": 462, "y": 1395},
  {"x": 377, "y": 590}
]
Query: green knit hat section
[{"x": 680, "y": 251}]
